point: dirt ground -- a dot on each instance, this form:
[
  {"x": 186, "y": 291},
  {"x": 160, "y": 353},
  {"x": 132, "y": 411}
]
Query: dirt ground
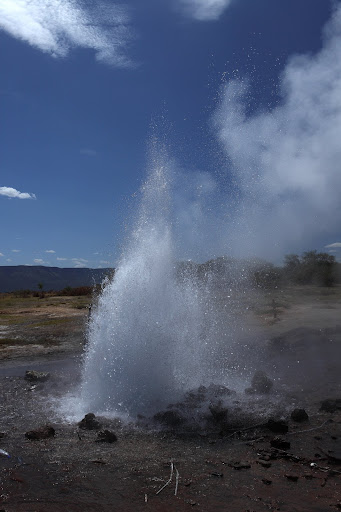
[{"x": 229, "y": 465}]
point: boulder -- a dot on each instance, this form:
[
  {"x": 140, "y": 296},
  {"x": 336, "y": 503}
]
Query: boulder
[
  {"x": 260, "y": 384},
  {"x": 280, "y": 443},
  {"x": 89, "y": 422},
  {"x": 170, "y": 419},
  {"x": 277, "y": 426},
  {"x": 219, "y": 413},
  {"x": 106, "y": 436},
  {"x": 299, "y": 415},
  {"x": 41, "y": 433},
  {"x": 34, "y": 376}
]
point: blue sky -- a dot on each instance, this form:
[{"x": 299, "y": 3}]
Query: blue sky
[{"x": 246, "y": 92}]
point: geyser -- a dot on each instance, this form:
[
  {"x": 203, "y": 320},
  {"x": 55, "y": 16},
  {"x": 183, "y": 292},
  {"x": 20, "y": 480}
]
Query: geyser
[{"x": 153, "y": 333}]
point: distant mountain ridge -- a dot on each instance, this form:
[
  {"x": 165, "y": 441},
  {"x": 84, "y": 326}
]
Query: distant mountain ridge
[{"x": 22, "y": 277}]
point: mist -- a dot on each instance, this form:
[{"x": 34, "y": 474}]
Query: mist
[{"x": 285, "y": 162}]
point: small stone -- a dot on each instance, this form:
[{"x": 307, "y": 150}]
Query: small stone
[
  {"x": 40, "y": 433},
  {"x": 292, "y": 478},
  {"x": 260, "y": 384},
  {"x": 277, "y": 426},
  {"x": 266, "y": 481},
  {"x": 169, "y": 418},
  {"x": 191, "y": 502},
  {"x": 299, "y": 415},
  {"x": 89, "y": 422},
  {"x": 280, "y": 443},
  {"x": 106, "y": 436},
  {"x": 34, "y": 376},
  {"x": 264, "y": 463},
  {"x": 241, "y": 465}
]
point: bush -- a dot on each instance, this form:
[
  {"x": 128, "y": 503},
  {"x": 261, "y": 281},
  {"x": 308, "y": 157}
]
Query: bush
[{"x": 311, "y": 268}]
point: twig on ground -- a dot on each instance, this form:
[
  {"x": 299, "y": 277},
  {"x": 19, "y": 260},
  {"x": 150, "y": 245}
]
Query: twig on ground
[
  {"x": 176, "y": 481},
  {"x": 169, "y": 480},
  {"x": 308, "y": 429}
]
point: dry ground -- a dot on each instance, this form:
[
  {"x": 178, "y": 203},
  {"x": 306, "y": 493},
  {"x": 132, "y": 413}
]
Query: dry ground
[{"x": 299, "y": 339}]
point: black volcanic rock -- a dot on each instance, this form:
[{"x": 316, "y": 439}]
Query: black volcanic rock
[{"x": 299, "y": 415}]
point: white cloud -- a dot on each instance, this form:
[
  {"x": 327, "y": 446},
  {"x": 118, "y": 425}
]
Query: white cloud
[
  {"x": 8, "y": 259},
  {"x": 51, "y": 251},
  {"x": 79, "y": 262},
  {"x": 12, "y": 192},
  {"x": 16, "y": 250},
  {"x": 39, "y": 261},
  {"x": 56, "y": 26},
  {"x": 88, "y": 152},
  {"x": 336, "y": 245},
  {"x": 105, "y": 262},
  {"x": 286, "y": 162},
  {"x": 1, "y": 254},
  {"x": 62, "y": 259},
  {"x": 204, "y": 10}
]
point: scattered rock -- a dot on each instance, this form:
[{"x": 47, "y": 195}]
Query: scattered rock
[
  {"x": 170, "y": 419},
  {"x": 266, "y": 481},
  {"x": 280, "y": 443},
  {"x": 191, "y": 502},
  {"x": 89, "y": 422},
  {"x": 41, "y": 433},
  {"x": 330, "y": 405},
  {"x": 292, "y": 478},
  {"x": 264, "y": 463},
  {"x": 260, "y": 384},
  {"x": 218, "y": 412},
  {"x": 299, "y": 415},
  {"x": 106, "y": 436},
  {"x": 34, "y": 376},
  {"x": 220, "y": 475},
  {"x": 217, "y": 390},
  {"x": 241, "y": 465},
  {"x": 277, "y": 426}
]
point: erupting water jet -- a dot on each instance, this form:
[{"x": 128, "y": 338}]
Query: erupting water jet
[{"x": 153, "y": 333}]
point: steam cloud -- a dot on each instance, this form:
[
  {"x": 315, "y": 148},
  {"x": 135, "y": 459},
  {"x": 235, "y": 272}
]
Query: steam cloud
[
  {"x": 13, "y": 193},
  {"x": 56, "y": 26},
  {"x": 204, "y": 10},
  {"x": 286, "y": 162}
]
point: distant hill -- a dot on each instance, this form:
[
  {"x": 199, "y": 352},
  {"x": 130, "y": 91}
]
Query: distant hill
[{"x": 22, "y": 277}]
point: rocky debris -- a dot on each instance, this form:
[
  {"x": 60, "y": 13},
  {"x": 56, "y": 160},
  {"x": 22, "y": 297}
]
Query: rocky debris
[
  {"x": 218, "y": 391},
  {"x": 34, "y": 376},
  {"x": 331, "y": 405},
  {"x": 280, "y": 443},
  {"x": 292, "y": 478},
  {"x": 260, "y": 384},
  {"x": 2, "y": 434},
  {"x": 218, "y": 412},
  {"x": 266, "y": 481},
  {"x": 41, "y": 433},
  {"x": 89, "y": 422},
  {"x": 106, "y": 436},
  {"x": 171, "y": 419},
  {"x": 277, "y": 426},
  {"x": 299, "y": 415},
  {"x": 264, "y": 463},
  {"x": 240, "y": 465}
]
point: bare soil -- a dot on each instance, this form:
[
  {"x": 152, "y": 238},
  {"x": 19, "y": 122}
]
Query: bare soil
[{"x": 224, "y": 467}]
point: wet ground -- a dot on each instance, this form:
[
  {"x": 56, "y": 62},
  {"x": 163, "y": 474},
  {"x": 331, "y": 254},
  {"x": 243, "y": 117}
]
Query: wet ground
[{"x": 231, "y": 463}]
